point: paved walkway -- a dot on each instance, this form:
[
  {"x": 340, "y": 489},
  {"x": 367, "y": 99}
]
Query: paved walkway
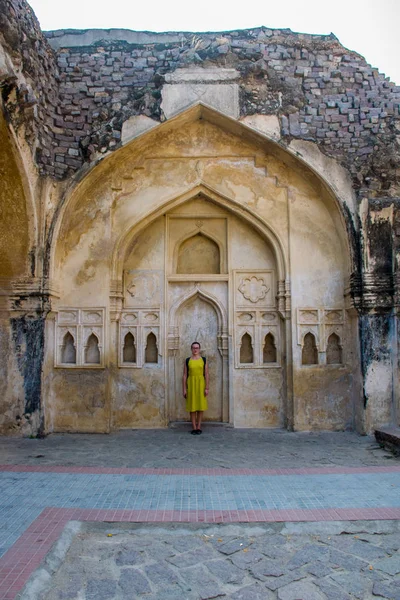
[{"x": 224, "y": 476}]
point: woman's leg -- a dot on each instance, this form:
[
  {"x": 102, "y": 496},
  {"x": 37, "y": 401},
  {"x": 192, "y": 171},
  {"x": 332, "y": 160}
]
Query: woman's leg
[
  {"x": 193, "y": 419},
  {"x": 199, "y": 418}
]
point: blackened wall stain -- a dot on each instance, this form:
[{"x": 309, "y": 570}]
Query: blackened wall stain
[
  {"x": 380, "y": 244},
  {"x": 28, "y": 339},
  {"x": 375, "y": 334}
]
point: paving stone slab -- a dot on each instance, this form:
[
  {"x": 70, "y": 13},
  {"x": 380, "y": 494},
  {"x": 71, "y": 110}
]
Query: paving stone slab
[
  {"x": 353, "y": 583},
  {"x": 244, "y": 574},
  {"x": 346, "y": 561},
  {"x": 331, "y": 591},
  {"x": 266, "y": 568},
  {"x": 274, "y": 583},
  {"x": 101, "y": 589},
  {"x": 300, "y": 590},
  {"x": 226, "y": 572},
  {"x": 188, "y": 559},
  {"x": 252, "y": 592},
  {"x": 389, "y": 565},
  {"x": 234, "y": 545},
  {"x": 307, "y": 554},
  {"x": 132, "y": 581},
  {"x": 391, "y": 591},
  {"x": 161, "y": 574},
  {"x": 245, "y": 558},
  {"x": 129, "y": 557}
]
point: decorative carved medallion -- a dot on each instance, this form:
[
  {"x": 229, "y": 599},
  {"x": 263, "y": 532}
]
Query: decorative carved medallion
[
  {"x": 253, "y": 288},
  {"x": 92, "y": 317},
  {"x": 151, "y": 317},
  {"x": 334, "y": 316},
  {"x": 129, "y": 318},
  {"x": 309, "y": 316},
  {"x": 246, "y": 317},
  {"x": 269, "y": 316}
]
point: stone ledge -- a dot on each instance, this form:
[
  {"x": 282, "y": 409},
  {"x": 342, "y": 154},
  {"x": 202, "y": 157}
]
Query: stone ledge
[{"x": 389, "y": 438}]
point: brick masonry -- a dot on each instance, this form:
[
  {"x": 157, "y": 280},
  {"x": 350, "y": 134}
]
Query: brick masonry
[{"x": 79, "y": 96}]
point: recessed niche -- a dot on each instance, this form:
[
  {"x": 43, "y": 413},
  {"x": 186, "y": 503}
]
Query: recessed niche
[
  {"x": 309, "y": 355},
  {"x": 246, "y": 350},
  {"x": 129, "y": 350},
  {"x": 151, "y": 352},
  {"x": 198, "y": 255},
  {"x": 68, "y": 350},
  {"x": 92, "y": 352},
  {"x": 334, "y": 350},
  {"x": 269, "y": 349}
]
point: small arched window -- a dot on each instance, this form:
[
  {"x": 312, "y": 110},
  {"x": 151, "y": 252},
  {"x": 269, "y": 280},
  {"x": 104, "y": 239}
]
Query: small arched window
[
  {"x": 199, "y": 254},
  {"x": 246, "y": 349},
  {"x": 129, "y": 350},
  {"x": 334, "y": 350},
  {"x": 92, "y": 352},
  {"x": 68, "y": 350},
  {"x": 309, "y": 355},
  {"x": 269, "y": 349},
  {"x": 151, "y": 352}
]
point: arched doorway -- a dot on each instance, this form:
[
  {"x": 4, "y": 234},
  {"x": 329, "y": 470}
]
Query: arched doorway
[{"x": 198, "y": 321}]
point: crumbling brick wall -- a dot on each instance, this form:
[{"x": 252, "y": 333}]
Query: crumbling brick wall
[{"x": 81, "y": 95}]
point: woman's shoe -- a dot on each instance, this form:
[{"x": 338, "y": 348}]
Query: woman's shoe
[
  {"x": 198, "y": 432},
  {"x": 194, "y": 431}
]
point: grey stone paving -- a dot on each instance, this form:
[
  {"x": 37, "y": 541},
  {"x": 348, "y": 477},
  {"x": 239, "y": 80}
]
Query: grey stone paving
[
  {"x": 317, "y": 561},
  {"x": 218, "y": 447}
]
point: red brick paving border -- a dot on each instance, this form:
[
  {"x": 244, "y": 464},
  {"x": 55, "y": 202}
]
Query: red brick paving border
[
  {"x": 30, "y": 549},
  {"x": 21, "y": 560}
]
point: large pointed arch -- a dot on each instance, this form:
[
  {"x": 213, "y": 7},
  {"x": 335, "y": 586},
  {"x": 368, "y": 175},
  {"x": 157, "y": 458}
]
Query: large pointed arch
[
  {"x": 92, "y": 177},
  {"x": 18, "y": 227}
]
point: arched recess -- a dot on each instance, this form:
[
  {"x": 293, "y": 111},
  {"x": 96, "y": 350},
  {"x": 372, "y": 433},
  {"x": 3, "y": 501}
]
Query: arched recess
[
  {"x": 18, "y": 225},
  {"x": 123, "y": 243},
  {"x": 214, "y": 345},
  {"x": 191, "y": 236}
]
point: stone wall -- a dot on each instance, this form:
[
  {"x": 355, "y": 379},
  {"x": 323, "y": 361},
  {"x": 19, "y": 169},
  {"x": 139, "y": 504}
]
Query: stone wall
[{"x": 71, "y": 98}]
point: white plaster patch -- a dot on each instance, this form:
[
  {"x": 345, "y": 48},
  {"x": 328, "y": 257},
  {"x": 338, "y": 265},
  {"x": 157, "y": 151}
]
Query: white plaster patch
[
  {"x": 378, "y": 389},
  {"x": 199, "y": 74},
  {"x": 135, "y": 126},
  {"x": 268, "y": 124},
  {"x": 212, "y": 86},
  {"x": 224, "y": 97}
]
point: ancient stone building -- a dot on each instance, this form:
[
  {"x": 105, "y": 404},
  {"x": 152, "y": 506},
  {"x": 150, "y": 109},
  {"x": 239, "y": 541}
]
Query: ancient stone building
[{"x": 240, "y": 189}]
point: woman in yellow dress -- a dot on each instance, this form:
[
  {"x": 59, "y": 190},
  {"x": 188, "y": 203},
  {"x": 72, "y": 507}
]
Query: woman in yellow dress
[{"x": 195, "y": 387}]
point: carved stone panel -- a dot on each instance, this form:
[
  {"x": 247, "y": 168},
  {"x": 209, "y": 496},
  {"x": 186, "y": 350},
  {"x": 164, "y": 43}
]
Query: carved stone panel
[
  {"x": 321, "y": 323},
  {"x": 254, "y": 289},
  {"x": 143, "y": 288},
  {"x": 136, "y": 329},
  {"x": 80, "y": 338},
  {"x": 258, "y": 329}
]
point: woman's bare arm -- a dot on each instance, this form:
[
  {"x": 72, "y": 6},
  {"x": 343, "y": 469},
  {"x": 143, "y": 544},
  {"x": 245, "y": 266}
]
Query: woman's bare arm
[
  {"x": 206, "y": 376},
  {"x": 184, "y": 380}
]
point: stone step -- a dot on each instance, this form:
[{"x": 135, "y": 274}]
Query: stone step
[{"x": 389, "y": 438}]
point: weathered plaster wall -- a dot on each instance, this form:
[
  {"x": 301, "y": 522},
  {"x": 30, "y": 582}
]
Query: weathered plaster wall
[
  {"x": 334, "y": 195},
  {"x": 149, "y": 180}
]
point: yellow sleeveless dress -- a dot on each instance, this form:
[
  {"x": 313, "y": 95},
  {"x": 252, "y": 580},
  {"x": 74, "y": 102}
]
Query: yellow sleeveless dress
[{"x": 195, "y": 386}]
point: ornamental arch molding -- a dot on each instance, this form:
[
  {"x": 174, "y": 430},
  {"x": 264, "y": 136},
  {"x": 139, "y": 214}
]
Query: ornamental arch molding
[{"x": 339, "y": 199}]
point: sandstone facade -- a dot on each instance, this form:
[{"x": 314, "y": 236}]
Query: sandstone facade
[{"x": 238, "y": 188}]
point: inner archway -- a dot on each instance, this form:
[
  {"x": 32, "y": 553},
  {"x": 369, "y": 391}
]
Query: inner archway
[{"x": 198, "y": 322}]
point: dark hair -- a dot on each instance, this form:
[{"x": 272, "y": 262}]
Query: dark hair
[{"x": 193, "y": 343}]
